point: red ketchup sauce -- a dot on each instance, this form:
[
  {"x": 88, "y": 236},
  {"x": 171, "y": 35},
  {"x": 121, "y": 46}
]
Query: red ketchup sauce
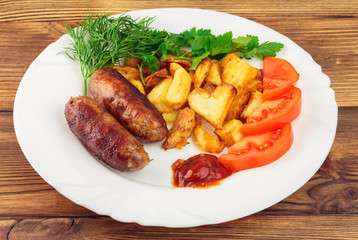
[{"x": 202, "y": 170}]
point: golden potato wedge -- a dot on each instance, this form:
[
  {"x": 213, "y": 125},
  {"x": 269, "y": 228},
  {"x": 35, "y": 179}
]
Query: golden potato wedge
[
  {"x": 207, "y": 142},
  {"x": 209, "y": 87},
  {"x": 212, "y": 107},
  {"x": 155, "y": 78},
  {"x": 170, "y": 117},
  {"x": 138, "y": 84},
  {"x": 214, "y": 74},
  {"x": 177, "y": 94},
  {"x": 185, "y": 63},
  {"x": 256, "y": 99},
  {"x": 256, "y": 84},
  {"x": 158, "y": 95},
  {"x": 128, "y": 72},
  {"x": 162, "y": 71},
  {"x": 230, "y": 133},
  {"x": 132, "y": 75},
  {"x": 236, "y": 71},
  {"x": 242, "y": 97},
  {"x": 191, "y": 73},
  {"x": 133, "y": 62},
  {"x": 173, "y": 67},
  {"x": 201, "y": 72},
  {"x": 181, "y": 130}
]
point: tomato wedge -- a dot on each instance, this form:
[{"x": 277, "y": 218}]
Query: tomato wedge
[
  {"x": 258, "y": 150},
  {"x": 274, "y": 113},
  {"x": 278, "y": 77}
]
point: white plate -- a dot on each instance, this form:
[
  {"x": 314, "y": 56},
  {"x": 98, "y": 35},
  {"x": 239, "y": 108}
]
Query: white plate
[{"x": 147, "y": 197}]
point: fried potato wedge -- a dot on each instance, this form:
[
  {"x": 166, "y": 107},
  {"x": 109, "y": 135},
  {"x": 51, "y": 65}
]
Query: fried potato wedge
[
  {"x": 177, "y": 94},
  {"x": 155, "y": 78},
  {"x": 242, "y": 97},
  {"x": 209, "y": 87},
  {"x": 170, "y": 117},
  {"x": 162, "y": 71},
  {"x": 207, "y": 142},
  {"x": 212, "y": 107},
  {"x": 230, "y": 133},
  {"x": 173, "y": 67},
  {"x": 181, "y": 130},
  {"x": 132, "y": 75},
  {"x": 256, "y": 84},
  {"x": 185, "y": 63},
  {"x": 158, "y": 95},
  {"x": 236, "y": 71},
  {"x": 256, "y": 99},
  {"x": 138, "y": 84},
  {"x": 133, "y": 62},
  {"x": 213, "y": 76},
  {"x": 201, "y": 72}
]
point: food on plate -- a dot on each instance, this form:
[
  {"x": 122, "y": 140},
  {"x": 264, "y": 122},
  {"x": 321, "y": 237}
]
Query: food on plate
[
  {"x": 238, "y": 104},
  {"x": 274, "y": 113},
  {"x": 197, "y": 81},
  {"x": 154, "y": 79},
  {"x": 212, "y": 107},
  {"x": 103, "y": 136},
  {"x": 256, "y": 99},
  {"x": 205, "y": 141},
  {"x": 128, "y": 105},
  {"x": 201, "y": 72},
  {"x": 230, "y": 133},
  {"x": 132, "y": 75},
  {"x": 202, "y": 170},
  {"x": 278, "y": 77},
  {"x": 236, "y": 71},
  {"x": 258, "y": 150},
  {"x": 214, "y": 75},
  {"x": 157, "y": 95},
  {"x": 170, "y": 117},
  {"x": 170, "y": 58},
  {"x": 178, "y": 91},
  {"x": 181, "y": 130}
]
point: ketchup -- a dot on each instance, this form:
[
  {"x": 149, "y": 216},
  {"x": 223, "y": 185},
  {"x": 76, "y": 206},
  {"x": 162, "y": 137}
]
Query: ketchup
[{"x": 201, "y": 170}]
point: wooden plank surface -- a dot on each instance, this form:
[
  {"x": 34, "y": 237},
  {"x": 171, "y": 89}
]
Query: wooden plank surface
[
  {"x": 326, "y": 207},
  {"x": 254, "y": 227}
]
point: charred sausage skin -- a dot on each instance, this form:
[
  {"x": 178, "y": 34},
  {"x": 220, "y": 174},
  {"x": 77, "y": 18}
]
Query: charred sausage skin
[
  {"x": 103, "y": 136},
  {"x": 128, "y": 105}
]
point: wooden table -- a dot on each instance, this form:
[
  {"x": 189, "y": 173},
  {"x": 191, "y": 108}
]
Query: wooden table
[{"x": 326, "y": 207}]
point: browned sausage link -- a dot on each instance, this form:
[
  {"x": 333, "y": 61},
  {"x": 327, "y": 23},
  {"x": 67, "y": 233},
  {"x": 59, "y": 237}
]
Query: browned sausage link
[
  {"x": 103, "y": 136},
  {"x": 128, "y": 105}
]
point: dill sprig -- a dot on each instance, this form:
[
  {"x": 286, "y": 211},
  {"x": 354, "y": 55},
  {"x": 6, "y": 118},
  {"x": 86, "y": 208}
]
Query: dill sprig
[{"x": 101, "y": 41}]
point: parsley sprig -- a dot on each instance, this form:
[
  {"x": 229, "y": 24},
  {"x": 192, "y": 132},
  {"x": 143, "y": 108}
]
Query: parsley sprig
[{"x": 101, "y": 41}]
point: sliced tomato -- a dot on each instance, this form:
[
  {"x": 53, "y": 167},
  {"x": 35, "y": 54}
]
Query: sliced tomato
[
  {"x": 274, "y": 113},
  {"x": 258, "y": 150},
  {"x": 278, "y": 77}
]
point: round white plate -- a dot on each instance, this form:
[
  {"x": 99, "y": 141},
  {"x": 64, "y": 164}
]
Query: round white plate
[{"x": 147, "y": 197}]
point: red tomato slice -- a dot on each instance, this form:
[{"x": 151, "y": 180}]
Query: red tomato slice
[
  {"x": 274, "y": 113},
  {"x": 258, "y": 150},
  {"x": 278, "y": 77}
]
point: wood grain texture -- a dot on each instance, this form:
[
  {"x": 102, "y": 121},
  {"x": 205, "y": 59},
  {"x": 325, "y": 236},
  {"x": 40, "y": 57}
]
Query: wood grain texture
[
  {"x": 326, "y": 207},
  {"x": 254, "y": 227}
]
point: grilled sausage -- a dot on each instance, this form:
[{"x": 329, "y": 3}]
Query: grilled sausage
[
  {"x": 103, "y": 136},
  {"x": 128, "y": 105}
]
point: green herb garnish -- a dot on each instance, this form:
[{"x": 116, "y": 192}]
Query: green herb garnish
[{"x": 101, "y": 41}]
